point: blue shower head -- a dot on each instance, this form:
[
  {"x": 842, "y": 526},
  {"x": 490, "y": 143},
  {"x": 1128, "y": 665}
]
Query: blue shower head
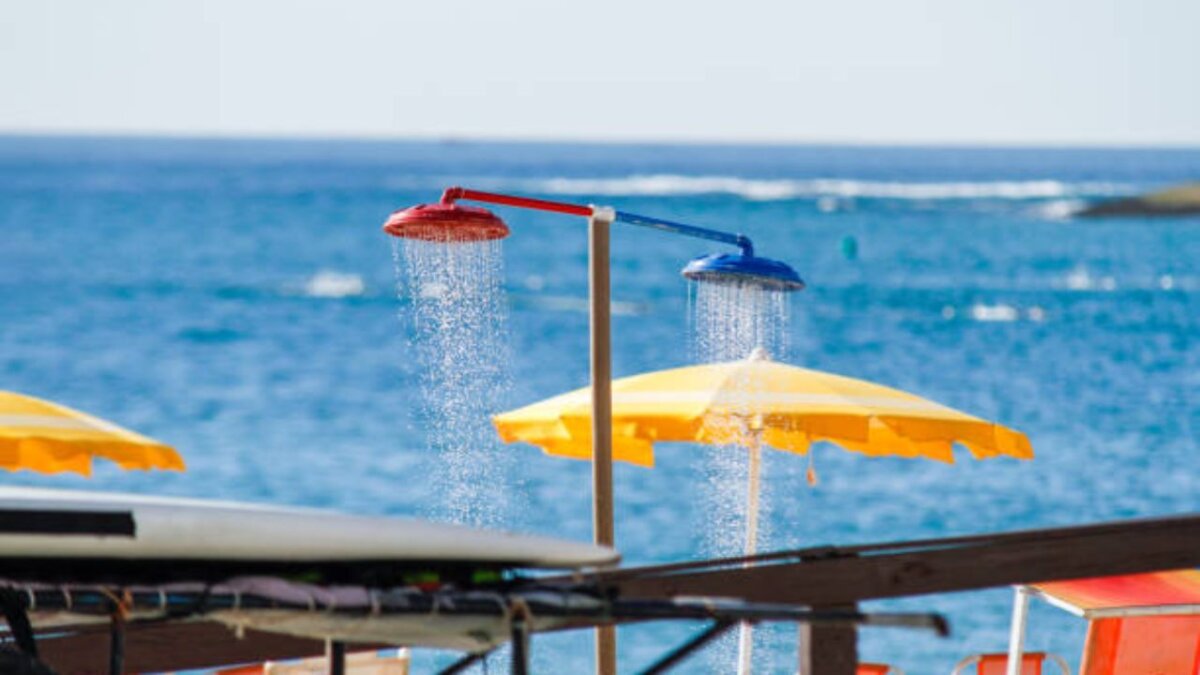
[
  {"x": 739, "y": 268},
  {"x": 724, "y": 268}
]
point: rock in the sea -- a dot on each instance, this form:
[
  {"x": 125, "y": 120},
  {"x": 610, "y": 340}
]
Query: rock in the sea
[{"x": 1181, "y": 200}]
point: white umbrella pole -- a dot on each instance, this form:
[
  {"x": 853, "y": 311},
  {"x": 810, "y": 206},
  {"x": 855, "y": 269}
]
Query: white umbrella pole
[
  {"x": 754, "y": 489},
  {"x": 1016, "y": 635}
]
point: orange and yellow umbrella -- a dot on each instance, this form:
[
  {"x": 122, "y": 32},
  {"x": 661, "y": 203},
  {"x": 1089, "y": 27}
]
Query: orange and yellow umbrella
[
  {"x": 754, "y": 402},
  {"x": 783, "y": 406},
  {"x": 50, "y": 438}
]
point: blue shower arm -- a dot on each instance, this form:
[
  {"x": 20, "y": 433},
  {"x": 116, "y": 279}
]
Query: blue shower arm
[{"x": 740, "y": 240}]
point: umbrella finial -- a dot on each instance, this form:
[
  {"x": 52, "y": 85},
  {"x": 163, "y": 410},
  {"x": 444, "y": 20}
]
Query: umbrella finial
[{"x": 759, "y": 354}]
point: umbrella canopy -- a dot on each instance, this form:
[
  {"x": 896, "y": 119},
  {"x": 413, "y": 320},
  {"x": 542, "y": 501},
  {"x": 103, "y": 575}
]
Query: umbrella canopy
[
  {"x": 753, "y": 402},
  {"x": 51, "y": 438},
  {"x": 785, "y": 406}
]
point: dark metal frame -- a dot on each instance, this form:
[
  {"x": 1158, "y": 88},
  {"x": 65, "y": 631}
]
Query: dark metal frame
[
  {"x": 820, "y": 586},
  {"x": 574, "y": 606}
]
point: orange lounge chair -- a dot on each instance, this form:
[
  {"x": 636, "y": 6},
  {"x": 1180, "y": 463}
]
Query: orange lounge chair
[
  {"x": 1032, "y": 663},
  {"x": 1137, "y": 623},
  {"x": 1166, "y": 645},
  {"x": 877, "y": 669}
]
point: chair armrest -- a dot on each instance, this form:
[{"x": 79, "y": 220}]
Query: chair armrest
[{"x": 966, "y": 663}]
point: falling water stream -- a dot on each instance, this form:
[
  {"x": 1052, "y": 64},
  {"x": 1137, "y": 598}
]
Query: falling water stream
[
  {"x": 729, "y": 321},
  {"x": 732, "y": 319},
  {"x": 459, "y": 316}
]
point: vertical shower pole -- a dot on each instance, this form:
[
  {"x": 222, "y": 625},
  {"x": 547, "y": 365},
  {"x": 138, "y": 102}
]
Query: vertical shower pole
[{"x": 601, "y": 347}]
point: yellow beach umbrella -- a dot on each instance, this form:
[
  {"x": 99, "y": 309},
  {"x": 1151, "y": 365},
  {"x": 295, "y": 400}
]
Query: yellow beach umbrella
[
  {"x": 783, "y": 406},
  {"x": 754, "y": 402},
  {"x": 51, "y": 438}
]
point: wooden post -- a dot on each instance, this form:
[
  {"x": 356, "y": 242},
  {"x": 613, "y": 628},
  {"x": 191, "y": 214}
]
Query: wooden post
[
  {"x": 829, "y": 649},
  {"x": 601, "y": 348},
  {"x": 830, "y": 576},
  {"x": 116, "y": 643},
  {"x": 520, "y": 646},
  {"x": 335, "y": 657}
]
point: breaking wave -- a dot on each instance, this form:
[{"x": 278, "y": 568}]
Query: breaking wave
[
  {"x": 329, "y": 284},
  {"x": 784, "y": 188}
]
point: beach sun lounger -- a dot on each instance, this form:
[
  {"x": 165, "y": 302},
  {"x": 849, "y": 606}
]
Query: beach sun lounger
[
  {"x": 877, "y": 669},
  {"x": 1137, "y": 623},
  {"x": 1032, "y": 663}
]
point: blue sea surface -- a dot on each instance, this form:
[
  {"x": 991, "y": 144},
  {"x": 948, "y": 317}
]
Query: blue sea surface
[{"x": 236, "y": 298}]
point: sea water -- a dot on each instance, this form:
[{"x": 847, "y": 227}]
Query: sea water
[
  {"x": 203, "y": 314},
  {"x": 457, "y": 319}
]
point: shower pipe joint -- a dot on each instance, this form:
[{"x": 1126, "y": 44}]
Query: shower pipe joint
[
  {"x": 746, "y": 245},
  {"x": 603, "y": 214},
  {"x": 743, "y": 242}
]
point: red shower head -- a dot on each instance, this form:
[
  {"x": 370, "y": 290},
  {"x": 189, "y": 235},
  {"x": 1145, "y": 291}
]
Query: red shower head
[{"x": 446, "y": 223}]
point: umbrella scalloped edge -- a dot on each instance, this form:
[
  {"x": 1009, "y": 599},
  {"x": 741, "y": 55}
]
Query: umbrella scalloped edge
[{"x": 48, "y": 455}]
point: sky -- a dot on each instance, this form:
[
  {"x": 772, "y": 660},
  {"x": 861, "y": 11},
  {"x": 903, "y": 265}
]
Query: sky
[{"x": 1108, "y": 72}]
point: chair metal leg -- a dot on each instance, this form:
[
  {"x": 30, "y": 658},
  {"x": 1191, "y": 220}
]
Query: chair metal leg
[
  {"x": 520, "y": 647},
  {"x": 688, "y": 648},
  {"x": 13, "y": 606},
  {"x": 465, "y": 662},
  {"x": 116, "y": 644},
  {"x": 335, "y": 655}
]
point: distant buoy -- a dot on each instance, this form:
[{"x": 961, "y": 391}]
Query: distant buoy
[{"x": 849, "y": 247}]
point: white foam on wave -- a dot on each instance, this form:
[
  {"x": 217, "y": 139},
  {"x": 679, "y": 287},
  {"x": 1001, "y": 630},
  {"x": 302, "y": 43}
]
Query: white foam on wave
[
  {"x": 1080, "y": 279},
  {"x": 671, "y": 184},
  {"x": 820, "y": 188},
  {"x": 1060, "y": 209},
  {"x": 998, "y": 313},
  {"x": 328, "y": 284}
]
